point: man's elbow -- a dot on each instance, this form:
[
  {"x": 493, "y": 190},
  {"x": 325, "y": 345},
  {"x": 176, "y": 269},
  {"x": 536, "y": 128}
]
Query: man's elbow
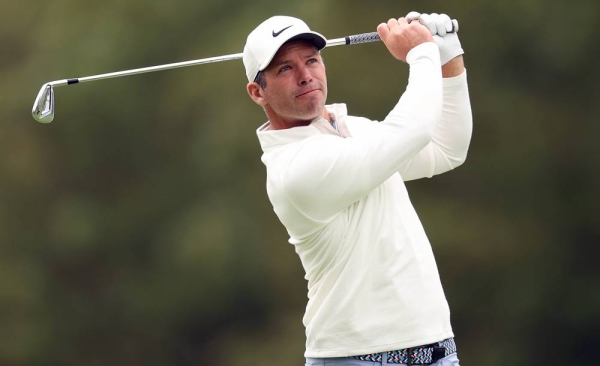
[
  {"x": 459, "y": 160},
  {"x": 459, "y": 155},
  {"x": 447, "y": 161}
]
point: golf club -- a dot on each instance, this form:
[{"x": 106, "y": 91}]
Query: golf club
[{"x": 43, "y": 106}]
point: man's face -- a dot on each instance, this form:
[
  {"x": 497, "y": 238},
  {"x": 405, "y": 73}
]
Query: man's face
[{"x": 296, "y": 85}]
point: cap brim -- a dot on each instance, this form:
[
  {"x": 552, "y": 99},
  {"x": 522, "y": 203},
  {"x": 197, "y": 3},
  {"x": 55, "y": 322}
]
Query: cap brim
[{"x": 314, "y": 38}]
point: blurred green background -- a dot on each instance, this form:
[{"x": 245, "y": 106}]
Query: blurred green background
[{"x": 135, "y": 229}]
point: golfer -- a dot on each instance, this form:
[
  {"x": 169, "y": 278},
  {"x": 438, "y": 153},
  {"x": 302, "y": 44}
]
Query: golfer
[{"x": 336, "y": 182}]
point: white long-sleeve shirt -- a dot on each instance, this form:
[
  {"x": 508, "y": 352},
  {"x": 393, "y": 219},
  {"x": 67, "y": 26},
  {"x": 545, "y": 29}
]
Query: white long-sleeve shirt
[{"x": 373, "y": 284}]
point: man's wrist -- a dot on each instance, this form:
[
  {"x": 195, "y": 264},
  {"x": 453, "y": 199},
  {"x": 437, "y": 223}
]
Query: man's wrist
[
  {"x": 425, "y": 48},
  {"x": 454, "y": 67}
]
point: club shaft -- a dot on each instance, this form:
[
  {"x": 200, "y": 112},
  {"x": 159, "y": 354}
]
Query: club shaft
[
  {"x": 349, "y": 40},
  {"x": 145, "y": 70}
]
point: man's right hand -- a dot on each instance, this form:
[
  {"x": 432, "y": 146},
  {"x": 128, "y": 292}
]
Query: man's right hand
[{"x": 400, "y": 37}]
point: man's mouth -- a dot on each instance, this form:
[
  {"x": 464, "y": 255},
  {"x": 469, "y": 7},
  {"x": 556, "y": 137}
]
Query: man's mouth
[{"x": 307, "y": 93}]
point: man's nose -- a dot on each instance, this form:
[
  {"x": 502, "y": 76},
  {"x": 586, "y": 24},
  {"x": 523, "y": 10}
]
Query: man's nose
[{"x": 304, "y": 76}]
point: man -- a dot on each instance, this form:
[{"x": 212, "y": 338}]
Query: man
[{"x": 336, "y": 183}]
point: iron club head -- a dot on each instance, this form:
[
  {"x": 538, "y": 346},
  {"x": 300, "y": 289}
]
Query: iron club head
[{"x": 43, "y": 107}]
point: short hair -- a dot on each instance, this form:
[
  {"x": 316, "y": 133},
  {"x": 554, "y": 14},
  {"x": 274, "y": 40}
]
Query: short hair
[{"x": 261, "y": 80}]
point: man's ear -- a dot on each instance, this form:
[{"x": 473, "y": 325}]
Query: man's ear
[{"x": 255, "y": 92}]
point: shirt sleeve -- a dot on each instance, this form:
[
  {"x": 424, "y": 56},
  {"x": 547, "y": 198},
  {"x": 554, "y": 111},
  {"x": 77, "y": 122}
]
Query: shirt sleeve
[
  {"x": 328, "y": 173},
  {"x": 450, "y": 143}
]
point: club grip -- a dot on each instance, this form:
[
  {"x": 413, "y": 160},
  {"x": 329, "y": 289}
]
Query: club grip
[
  {"x": 362, "y": 38},
  {"x": 374, "y": 37}
]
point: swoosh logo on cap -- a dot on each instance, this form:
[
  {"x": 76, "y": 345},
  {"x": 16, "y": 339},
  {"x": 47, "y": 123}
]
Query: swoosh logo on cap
[{"x": 275, "y": 34}]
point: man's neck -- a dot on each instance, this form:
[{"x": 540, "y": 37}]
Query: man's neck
[{"x": 276, "y": 123}]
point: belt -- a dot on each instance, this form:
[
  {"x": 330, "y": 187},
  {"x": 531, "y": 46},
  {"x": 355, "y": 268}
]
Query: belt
[{"x": 422, "y": 355}]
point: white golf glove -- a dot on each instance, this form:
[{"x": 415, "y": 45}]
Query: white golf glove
[{"x": 444, "y": 31}]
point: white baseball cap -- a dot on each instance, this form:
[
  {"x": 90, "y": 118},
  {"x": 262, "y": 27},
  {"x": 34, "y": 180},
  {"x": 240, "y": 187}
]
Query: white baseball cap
[{"x": 266, "y": 39}]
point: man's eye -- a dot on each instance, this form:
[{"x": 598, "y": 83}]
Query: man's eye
[
  {"x": 312, "y": 60},
  {"x": 284, "y": 68}
]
